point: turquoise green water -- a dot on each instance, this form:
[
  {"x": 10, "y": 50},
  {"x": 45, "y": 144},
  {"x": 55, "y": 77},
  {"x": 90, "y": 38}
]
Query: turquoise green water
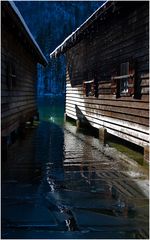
[{"x": 51, "y": 109}]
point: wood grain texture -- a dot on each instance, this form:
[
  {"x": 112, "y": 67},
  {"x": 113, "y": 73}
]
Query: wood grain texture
[
  {"x": 120, "y": 39},
  {"x": 18, "y": 104}
]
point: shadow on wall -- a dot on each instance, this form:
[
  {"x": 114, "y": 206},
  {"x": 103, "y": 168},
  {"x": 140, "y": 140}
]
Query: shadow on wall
[{"x": 82, "y": 120}]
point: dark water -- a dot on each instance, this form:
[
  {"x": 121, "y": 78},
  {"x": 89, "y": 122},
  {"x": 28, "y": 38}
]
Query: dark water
[{"x": 60, "y": 183}]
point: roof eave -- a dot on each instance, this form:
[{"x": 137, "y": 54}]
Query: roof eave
[
  {"x": 73, "y": 37},
  {"x": 40, "y": 56}
]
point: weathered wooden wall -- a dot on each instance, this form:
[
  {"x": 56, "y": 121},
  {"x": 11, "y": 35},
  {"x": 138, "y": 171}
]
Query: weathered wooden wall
[
  {"x": 19, "y": 103},
  {"x": 118, "y": 39}
]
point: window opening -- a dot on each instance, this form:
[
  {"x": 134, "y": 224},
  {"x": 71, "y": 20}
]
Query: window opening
[
  {"x": 124, "y": 72},
  {"x": 123, "y": 84},
  {"x": 88, "y": 87}
]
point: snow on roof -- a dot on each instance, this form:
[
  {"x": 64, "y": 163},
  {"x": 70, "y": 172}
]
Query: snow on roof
[
  {"x": 79, "y": 28},
  {"x": 27, "y": 29}
]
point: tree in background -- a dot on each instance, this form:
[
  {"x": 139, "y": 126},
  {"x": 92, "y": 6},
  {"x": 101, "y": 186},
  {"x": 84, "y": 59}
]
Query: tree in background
[{"x": 51, "y": 22}]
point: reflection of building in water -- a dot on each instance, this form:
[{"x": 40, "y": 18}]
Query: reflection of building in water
[
  {"x": 69, "y": 219},
  {"x": 94, "y": 173},
  {"x": 62, "y": 212},
  {"x": 87, "y": 169},
  {"x": 53, "y": 176}
]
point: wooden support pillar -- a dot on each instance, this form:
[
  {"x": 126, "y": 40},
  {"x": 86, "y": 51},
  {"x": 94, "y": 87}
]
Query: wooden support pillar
[
  {"x": 102, "y": 135},
  {"x": 65, "y": 117},
  {"x": 78, "y": 123},
  {"x": 146, "y": 153}
]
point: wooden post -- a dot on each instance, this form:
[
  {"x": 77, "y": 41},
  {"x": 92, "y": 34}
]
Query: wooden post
[
  {"x": 146, "y": 153},
  {"x": 102, "y": 135},
  {"x": 78, "y": 123},
  {"x": 65, "y": 117}
]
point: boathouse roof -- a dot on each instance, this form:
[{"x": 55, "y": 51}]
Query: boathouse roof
[
  {"x": 81, "y": 31},
  {"x": 14, "y": 13},
  {"x": 108, "y": 8}
]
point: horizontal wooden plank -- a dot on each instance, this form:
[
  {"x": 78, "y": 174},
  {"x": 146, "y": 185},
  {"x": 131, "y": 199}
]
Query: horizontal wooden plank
[
  {"x": 17, "y": 104},
  {"x": 110, "y": 56},
  {"x": 113, "y": 51},
  {"x": 144, "y": 98},
  {"x": 123, "y": 76},
  {"x": 17, "y": 93},
  {"x": 128, "y": 138},
  {"x": 138, "y": 24},
  {"x": 74, "y": 89},
  {"x": 105, "y": 91},
  {"x": 20, "y": 87},
  {"x": 19, "y": 115},
  {"x": 17, "y": 99},
  {"x": 12, "y": 122},
  {"x": 114, "y": 132},
  {"x": 145, "y": 83},
  {"x": 104, "y": 85},
  {"x": 131, "y": 118},
  {"x": 114, "y": 109},
  {"x": 79, "y": 92},
  {"x": 21, "y": 77},
  {"x": 18, "y": 109},
  {"x": 144, "y": 76},
  {"x": 139, "y": 138},
  {"x": 9, "y": 129},
  {"x": 110, "y": 119},
  {"x": 136, "y": 105},
  {"x": 117, "y": 38},
  {"x": 145, "y": 90}
]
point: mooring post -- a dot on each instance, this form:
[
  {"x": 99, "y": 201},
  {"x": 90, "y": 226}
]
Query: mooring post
[
  {"x": 78, "y": 123},
  {"x": 65, "y": 117},
  {"x": 102, "y": 135},
  {"x": 146, "y": 153}
]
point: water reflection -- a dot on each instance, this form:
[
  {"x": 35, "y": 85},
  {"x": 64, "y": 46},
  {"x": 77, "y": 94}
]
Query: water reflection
[
  {"x": 53, "y": 175},
  {"x": 58, "y": 184},
  {"x": 51, "y": 109}
]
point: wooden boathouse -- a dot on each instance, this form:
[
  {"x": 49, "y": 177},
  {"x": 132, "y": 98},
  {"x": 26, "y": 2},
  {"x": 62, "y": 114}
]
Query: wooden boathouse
[
  {"x": 19, "y": 57},
  {"x": 107, "y": 72}
]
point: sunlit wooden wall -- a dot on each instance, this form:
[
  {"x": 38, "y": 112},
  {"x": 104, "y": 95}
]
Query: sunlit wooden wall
[{"x": 118, "y": 39}]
